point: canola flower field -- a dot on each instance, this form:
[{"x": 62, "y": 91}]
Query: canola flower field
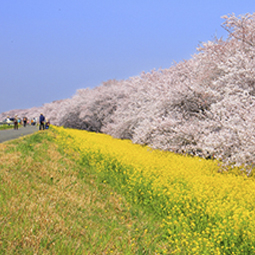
[{"x": 202, "y": 211}]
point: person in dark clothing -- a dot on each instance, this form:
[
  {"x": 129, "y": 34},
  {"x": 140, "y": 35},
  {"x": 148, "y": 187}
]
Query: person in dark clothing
[
  {"x": 41, "y": 122},
  {"x": 16, "y": 126},
  {"x": 25, "y": 121}
]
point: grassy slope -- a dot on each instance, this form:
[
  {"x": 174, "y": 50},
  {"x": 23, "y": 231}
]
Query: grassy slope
[{"x": 51, "y": 205}]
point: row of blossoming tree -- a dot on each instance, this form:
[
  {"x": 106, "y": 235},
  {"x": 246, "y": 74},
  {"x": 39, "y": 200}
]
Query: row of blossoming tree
[{"x": 203, "y": 106}]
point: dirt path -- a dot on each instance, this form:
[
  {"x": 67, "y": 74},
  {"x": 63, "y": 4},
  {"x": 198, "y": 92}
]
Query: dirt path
[{"x": 10, "y": 134}]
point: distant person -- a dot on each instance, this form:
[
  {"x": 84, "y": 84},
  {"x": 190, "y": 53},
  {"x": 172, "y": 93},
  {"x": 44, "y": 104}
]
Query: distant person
[
  {"x": 25, "y": 121},
  {"x": 33, "y": 121},
  {"x": 41, "y": 122},
  {"x": 8, "y": 121},
  {"x": 47, "y": 125},
  {"x": 16, "y": 126}
]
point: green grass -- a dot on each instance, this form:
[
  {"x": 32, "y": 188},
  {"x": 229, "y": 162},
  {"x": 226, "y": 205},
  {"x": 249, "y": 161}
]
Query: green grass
[
  {"x": 6, "y": 126},
  {"x": 50, "y": 204}
]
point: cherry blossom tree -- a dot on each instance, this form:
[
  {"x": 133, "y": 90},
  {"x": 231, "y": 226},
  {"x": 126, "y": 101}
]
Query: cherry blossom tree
[{"x": 202, "y": 106}]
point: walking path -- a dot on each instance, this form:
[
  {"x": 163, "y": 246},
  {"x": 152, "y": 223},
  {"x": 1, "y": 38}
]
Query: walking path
[{"x": 10, "y": 134}]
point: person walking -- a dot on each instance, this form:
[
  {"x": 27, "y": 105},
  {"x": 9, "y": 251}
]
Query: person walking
[
  {"x": 41, "y": 122},
  {"x": 16, "y": 126},
  {"x": 8, "y": 121},
  {"x": 25, "y": 121}
]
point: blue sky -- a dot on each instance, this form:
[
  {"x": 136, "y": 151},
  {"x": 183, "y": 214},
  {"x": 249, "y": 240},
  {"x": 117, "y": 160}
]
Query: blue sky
[{"x": 51, "y": 48}]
